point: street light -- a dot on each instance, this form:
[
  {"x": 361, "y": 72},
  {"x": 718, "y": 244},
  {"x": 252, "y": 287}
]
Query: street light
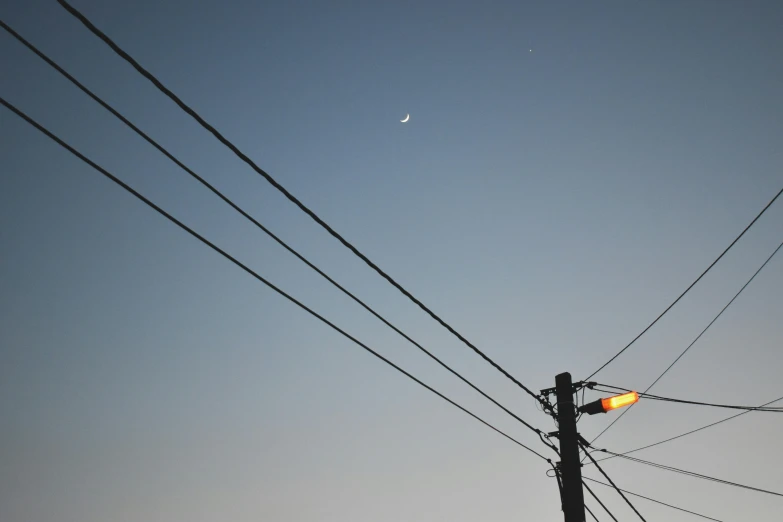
[{"x": 610, "y": 403}]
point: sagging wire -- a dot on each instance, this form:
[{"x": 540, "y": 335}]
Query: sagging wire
[{"x": 559, "y": 486}]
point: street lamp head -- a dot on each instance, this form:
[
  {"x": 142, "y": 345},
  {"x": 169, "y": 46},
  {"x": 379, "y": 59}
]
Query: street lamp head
[
  {"x": 619, "y": 401},
  {"x": 610, "y": 403}
]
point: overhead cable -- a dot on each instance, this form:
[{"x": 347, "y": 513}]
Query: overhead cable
[
  {"x": 687, "y": 432},
  {"x": 653, "y": 500},
  {"x": 597, "y": 500},
  {"x": 248, "y": 270},
  {"x": 689, "y": 473},
  {"x": 591, "y": 513},
  {"x": 713, "y": 405},
  {"x": 619, "y": 491},
  {"x": 250, "y": 218},
  {"x": 763, "y": 210},
  {"x": 650, "y": 396},
  {"x": 116, "y": 48},
  {"x": 617, "y": 419}
]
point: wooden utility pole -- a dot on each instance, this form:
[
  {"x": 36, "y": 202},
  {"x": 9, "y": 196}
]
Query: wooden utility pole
[{"x": 570, "y": 466}]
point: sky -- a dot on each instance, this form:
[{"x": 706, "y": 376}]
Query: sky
[{"x": 568, "y": 169}]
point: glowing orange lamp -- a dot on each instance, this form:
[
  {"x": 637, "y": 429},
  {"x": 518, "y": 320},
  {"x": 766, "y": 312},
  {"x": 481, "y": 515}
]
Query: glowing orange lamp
[
  {"x": 610, "y": 403},
  {"x": 619, "y": 401}
]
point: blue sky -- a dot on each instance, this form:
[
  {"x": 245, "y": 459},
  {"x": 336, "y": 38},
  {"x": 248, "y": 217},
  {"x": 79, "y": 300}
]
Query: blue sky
[{"x": 549, "y": 204}]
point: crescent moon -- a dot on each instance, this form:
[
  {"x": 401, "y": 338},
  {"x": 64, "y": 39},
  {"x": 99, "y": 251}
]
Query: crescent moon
[{"x": 407, "y": 117}]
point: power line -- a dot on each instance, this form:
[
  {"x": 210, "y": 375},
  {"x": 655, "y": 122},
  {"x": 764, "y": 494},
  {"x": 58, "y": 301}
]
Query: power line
[
  {"x": 689, "y": 432},
  {"x": 717, "y": 316},
  {"x": 597, "y": 500},
  {"x": 650, "y": 396},
  {"x": 711, "y": 404},
  {"x": 686, "y": 472},
  {"x": 653, "y": 500},
  {"x": 617, "y": 419},
  {"x": 689, "y": 288},
  {"x": 244, "y": 267},
  {"x": 591, "y": 513},
  {"x": 584, "y": 448},
  {"x": 250, "y": 218},
  {"x": 97, "y": 32}
]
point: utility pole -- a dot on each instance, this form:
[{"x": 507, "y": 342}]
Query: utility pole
[{"x": 570, "y": 466}]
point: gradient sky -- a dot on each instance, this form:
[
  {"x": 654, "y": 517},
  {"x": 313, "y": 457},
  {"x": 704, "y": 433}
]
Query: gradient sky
[{"x": 549, "y": 204}]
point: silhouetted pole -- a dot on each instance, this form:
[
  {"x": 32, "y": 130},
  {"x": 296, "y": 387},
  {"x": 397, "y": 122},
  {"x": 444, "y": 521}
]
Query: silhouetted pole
[{"x": 570, "y": 467}]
